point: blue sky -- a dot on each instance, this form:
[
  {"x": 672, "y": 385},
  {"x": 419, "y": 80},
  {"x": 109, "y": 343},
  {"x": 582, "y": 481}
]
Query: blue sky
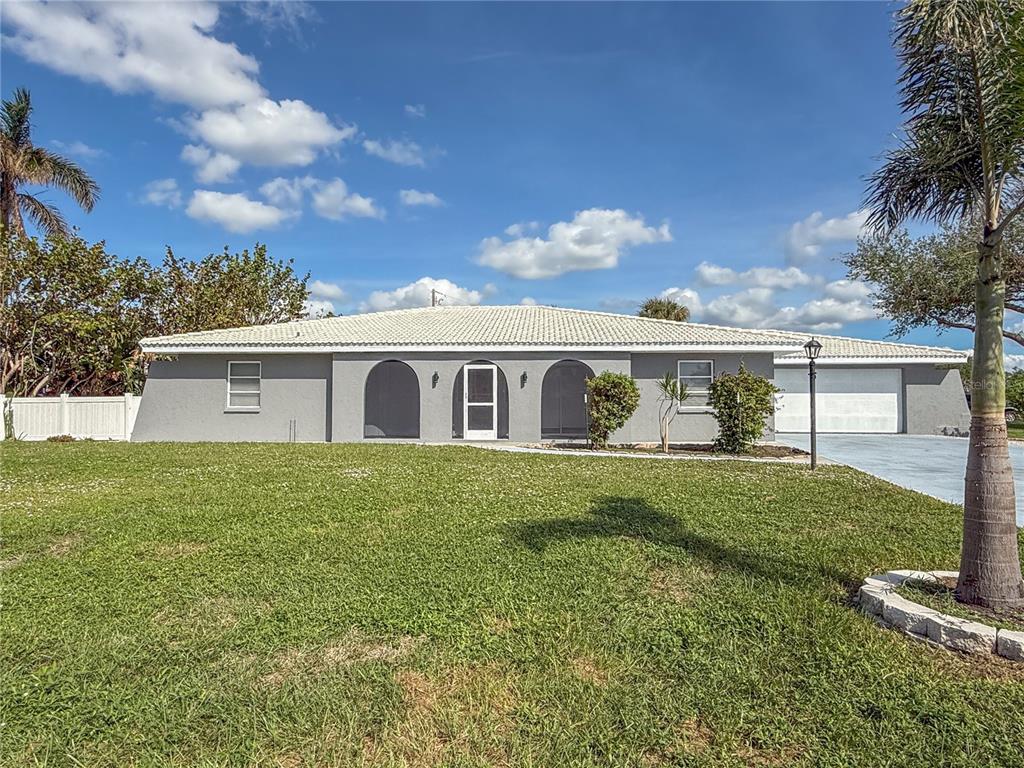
[{"x": 579, "y": 155}]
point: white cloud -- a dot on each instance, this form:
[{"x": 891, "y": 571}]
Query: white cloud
[
  {"x": 756, "y": 277},
  {"x": 268, "y": 132},
  {"x": 287, "y": 193},
  {"x": 416, "y": 110},
  {"x": 165, "y": 48},
  {"x": 521, "y": 228},
  {"x": 234, "y": 212},
  {"x": 319, "y": 289},
  {"x": 805, "y": 238},
  {"x": 418, "y": 294},
  {"x": 163, "y": 192},
  {"x": 415, "y": 197},
  {"x": 757, "y": 308},
  {"x": 528, "y": 301},
  {"x": 594, "y": 239},
  {"x": 316, "y": 308},
  {"x": 332, "y": 200},
  {"x": 322, "y": 298},
  {"x": 402, "y": 152},
  {"x": 288, "y": 15},
  {"x": 1010, "y": 362},
  {"x": 848, "y": 290},
  {"x": 211, "y": 167},
  {"x": 77, "y": 149},
  {"x": 688, "y": 298}
]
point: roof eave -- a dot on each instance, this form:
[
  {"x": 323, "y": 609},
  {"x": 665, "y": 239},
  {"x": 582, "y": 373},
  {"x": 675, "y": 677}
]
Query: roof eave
[
  {"x": 873, "y": 360},
  {"x": 157, "y": 348}
]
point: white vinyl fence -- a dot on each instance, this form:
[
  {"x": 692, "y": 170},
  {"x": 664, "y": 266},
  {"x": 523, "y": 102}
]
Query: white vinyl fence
[{"x": 98, "y": 418}]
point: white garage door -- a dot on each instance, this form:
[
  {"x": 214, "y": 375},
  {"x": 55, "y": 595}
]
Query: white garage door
[{"x": 848, "y": 400}]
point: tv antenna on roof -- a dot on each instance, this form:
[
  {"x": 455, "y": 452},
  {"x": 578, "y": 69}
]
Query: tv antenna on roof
[{"x": 436, "y": 297}]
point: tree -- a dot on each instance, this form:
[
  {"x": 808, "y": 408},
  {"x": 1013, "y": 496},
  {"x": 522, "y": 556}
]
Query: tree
[
  {"x": 671, "y": 393},
  {"x": 226, "y": 290},
  {"x": 664, "y": 309},
  {"x": 929, "y": 281},
  {"x": 742, "y": 403},
  {"x": 962, "y": 157},
  {"x": 71, "y": 318},
  {"x": 611, "y": 399},
  {"x": 23, "y": 164}
]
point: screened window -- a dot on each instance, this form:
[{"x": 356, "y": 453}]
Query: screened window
[
  {"x": 244, "y": 385},
  {"x": 697, "y": 376}
]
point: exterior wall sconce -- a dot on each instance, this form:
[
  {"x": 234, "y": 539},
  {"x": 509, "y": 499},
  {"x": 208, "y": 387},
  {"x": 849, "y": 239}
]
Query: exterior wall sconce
[
  {"x": 434, "y": 379},
  {"x": 522, "y": 380}
]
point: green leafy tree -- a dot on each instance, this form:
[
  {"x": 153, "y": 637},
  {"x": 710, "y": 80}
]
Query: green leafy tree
[
  {"x": 611, "y": 399},
  {"x": 226, "y": 290},
  {"x": 671, "y": 394},
  {"x": 929, "y": 281},
  {"x": 664, "y": 309},
  {"x": 1015, "y": 391},
  {"x": 742, "y": 402},
  {"x": 961, "y": 156},
  {"x": 23, "y": 164},
  {"x": 71, "y": 318}
]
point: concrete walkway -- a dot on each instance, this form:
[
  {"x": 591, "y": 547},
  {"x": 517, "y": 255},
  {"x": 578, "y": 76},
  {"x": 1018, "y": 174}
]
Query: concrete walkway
[{"x": 929, "y": 464}]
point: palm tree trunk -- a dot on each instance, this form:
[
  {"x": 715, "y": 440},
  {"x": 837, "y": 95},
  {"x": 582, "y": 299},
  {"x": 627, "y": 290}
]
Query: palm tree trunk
[{"x": 989, "y": 559}]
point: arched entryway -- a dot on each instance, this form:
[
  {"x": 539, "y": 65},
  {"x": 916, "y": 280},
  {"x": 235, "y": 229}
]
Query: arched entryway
[
  {"x": 487, "y": 406},
  {"x": 391, "y": 402},
  {"x": 563, "y": 406}
]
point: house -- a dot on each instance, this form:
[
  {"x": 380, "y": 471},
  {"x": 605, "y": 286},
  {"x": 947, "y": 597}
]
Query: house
[{"x": 515, "y": 373}]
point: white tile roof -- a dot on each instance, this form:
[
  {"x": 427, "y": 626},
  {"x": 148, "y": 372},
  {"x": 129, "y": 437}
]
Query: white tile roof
[
  {"x": 479, "y": 327},
  {"x": 529, "y": 327},
  {"x": 863, "y": 350}
]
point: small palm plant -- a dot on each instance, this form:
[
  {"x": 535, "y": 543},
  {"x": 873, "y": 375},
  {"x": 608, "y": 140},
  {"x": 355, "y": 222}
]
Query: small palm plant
[
  {"x": 22, "y": 163},
  {"x": 671, "y": 394},
  {"x": 664, "y": 309}
]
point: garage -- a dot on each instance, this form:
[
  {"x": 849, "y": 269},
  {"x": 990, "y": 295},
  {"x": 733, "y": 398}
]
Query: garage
[{"x": 848, "y": 400}]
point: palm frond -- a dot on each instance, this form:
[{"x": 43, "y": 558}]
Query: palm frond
[
  {"x": 50, "y": 169},
  {"x": 45, "y": 216},
  {"x": 14, "y": 118}
]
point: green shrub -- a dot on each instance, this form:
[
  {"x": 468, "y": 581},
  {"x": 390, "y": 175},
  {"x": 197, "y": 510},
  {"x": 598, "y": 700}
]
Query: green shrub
[
  {"x": 1015, "y": 390},
  {"x": 742, "y": 402},
  {"x": 60, "y": 439},
  {"x": 612, "y": 399}
]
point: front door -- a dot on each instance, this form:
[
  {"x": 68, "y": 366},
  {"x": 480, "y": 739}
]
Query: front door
[{"x": 480, "y": 401}]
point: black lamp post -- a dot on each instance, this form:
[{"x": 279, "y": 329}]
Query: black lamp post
[{"x": 812, "y": 349}]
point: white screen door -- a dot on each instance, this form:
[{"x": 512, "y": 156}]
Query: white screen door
[{"x": 480, "y": 402}]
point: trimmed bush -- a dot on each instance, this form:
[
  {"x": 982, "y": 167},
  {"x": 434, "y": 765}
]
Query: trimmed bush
[
  {"x": 742, "y": 403},
  {"x": 612, "y": 399}
]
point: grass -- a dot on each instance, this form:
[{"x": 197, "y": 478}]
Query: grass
[
  {"x": 1016, "y": 430},
  {"x": 941, "y": 596},
  {"x": 383, "y": 605}
]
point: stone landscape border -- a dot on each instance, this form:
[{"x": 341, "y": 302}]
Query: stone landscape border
[{"x": 878, "y": 598}]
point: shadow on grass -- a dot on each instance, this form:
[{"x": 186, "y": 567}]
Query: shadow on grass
[{"x": 633, "y": 517}]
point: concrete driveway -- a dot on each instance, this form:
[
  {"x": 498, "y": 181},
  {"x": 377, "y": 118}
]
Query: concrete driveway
[{"x": 929, "y": 464}]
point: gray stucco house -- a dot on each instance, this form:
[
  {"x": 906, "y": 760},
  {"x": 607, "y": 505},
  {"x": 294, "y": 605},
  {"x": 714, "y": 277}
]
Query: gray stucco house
[{"x": 514, "y": 373}]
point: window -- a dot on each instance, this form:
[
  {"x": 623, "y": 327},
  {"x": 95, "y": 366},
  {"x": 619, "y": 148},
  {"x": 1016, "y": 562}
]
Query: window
[
  {"x": 697, "y": 375},
  {"x": 244, "y": 385}
]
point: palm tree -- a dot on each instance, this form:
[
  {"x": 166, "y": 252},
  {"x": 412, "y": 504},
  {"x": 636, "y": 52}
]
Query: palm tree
[
  {"x": 664, "y": 309},
  {"x": 22, "y": 163},
  {"x": 962, "y": 155}
]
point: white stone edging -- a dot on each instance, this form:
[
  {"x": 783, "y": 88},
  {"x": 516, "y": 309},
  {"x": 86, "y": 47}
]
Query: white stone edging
[{"x": 878, "y": 598}]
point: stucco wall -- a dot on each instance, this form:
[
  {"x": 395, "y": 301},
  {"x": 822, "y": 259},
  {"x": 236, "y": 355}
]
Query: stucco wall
[
  {"x": 185, "y": 399},
  {"x": 934, "y": 400},
  {"x": 695, "y": 423},
  {"x": 351, "y": 370}
]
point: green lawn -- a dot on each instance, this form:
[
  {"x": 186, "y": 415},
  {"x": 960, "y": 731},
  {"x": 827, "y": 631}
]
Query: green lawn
[
  {"x": 1016, "y": 430},
  {"x": 399, "y": 605}
]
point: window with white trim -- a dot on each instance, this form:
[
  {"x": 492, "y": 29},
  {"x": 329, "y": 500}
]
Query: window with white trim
[
  {"x": 244, "y": 385},
  {"x": 696, "y": 376}
]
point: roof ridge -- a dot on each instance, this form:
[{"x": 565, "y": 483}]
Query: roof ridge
[{"x": 873, "y": 341}]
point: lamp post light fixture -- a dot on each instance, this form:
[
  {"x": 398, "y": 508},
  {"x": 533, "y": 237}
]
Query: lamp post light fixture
[{"x": 812, "y": 349}]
